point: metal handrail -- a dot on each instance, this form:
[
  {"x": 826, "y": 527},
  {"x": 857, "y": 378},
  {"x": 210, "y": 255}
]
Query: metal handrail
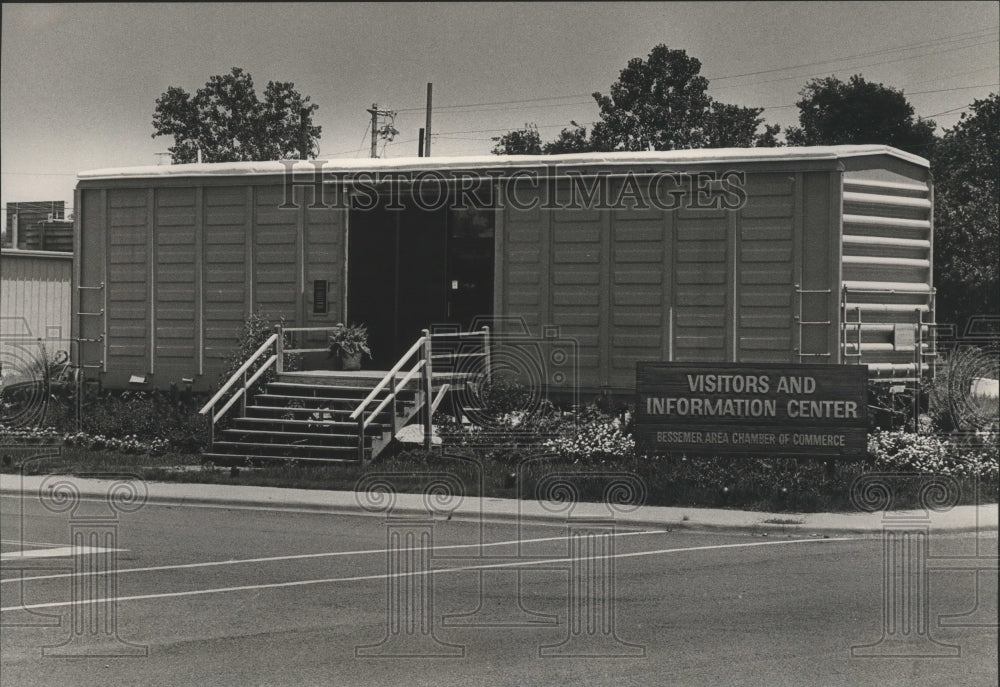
[
  {"x": 392, "y": 396},
  {"x": 424, "y": 363},
  {"x": 385, "y": 380},
  {"x": 241, "y": 393},
  {"x": 236, "y": 375},
  {"x": 424, "y": 344},
  {"x": 437, "y": 399}
]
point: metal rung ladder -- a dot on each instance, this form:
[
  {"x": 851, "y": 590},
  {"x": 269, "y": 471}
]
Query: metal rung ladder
[{"x": 800, "y": 323}]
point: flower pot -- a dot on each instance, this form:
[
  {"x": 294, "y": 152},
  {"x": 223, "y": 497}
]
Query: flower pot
[{"x": 351, "y": 361}]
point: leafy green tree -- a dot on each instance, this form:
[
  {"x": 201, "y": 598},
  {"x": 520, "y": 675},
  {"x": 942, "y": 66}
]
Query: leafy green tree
[
  {"x": 832, "y": 112},
  {"x": 966, "y": 169},
  {"x": 573, "y": 140},
  {"x": 524, "y": 141},
  {"x": 735, "y": 126},
  {"x": 661, "y": 103},
  {"x": 228, "y": 122},
  {"x": 657, "y": 104}
]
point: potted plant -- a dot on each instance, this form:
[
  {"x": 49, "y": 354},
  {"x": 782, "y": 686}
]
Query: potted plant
[{"x": 350, "y": 342}]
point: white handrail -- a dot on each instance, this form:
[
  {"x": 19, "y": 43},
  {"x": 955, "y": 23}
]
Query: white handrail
[
  {"x": 374, "y": 414},
  {"x": 256, "y": 375},
  {"x": 385, "y": 379},
  {"x": 239, "y": 393},
  {"x": 440, "y": 395},
  {"x": 308, "y": 329},
  {"x": 444, "y": 335},
  {"x": 243, "y": 368}
]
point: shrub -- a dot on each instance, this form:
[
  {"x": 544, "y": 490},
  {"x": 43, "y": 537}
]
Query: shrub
[
  {"x": 149, "y": 416},
  {"x": 960, "y": 455},
  {"x": 594, "y": 435},
  {"x": 508, "y": 423},
  {"x": 130, "y": 444}
]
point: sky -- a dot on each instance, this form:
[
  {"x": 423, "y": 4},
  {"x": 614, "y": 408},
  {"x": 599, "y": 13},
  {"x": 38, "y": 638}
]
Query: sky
[{"x": 78, "y": 83}]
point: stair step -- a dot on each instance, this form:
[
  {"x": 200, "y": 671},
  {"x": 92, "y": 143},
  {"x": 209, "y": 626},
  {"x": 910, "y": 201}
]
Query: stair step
[
  {"x": 255, "y": 448},
  {"x": 359, "y": 392},
  {"x": 287, "y": 409},
  {"x": 233, "y": 458},
  {"x": 353, "y": 425},
  {"x": 344, "y": 439},
  {"x": 351, "y": 402},
  {"x": 345, "y": 412}
]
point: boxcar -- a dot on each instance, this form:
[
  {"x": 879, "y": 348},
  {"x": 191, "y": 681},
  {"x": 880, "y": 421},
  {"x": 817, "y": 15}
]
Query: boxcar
[{"x": 817, "y": 254}]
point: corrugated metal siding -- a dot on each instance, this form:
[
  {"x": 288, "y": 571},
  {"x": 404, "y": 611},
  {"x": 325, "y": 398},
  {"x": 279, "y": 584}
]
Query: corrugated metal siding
[
  {"x": 90, "y": 299},
  {"x": 226, "y": 277},
  {"x": 196, "y": 261},
  {"x": 275, "y": 255},
  {"x": 816, "y": 302},
  {"x": 35, "y": 296},
  {"x": 886, "y": 270},
  {"x": 324, "y": 259},
  {"x": 765, "y": 289},
  {"x": 702, "y": 285},
  {"x": 689, "y": 285},
  {"x": 175, "y": 227},
  {"x": 576, "y": 257},
  {"x": 128, "y": 281},
  {"x": 526, "y": 266},
  {"x": 640, "y": 291}
]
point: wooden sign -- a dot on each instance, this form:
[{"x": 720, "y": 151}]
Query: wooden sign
[{"x": 751, "y": 409}]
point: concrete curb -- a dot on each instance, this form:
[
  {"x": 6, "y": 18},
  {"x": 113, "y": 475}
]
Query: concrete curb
[{"x": 962, "y": 519}]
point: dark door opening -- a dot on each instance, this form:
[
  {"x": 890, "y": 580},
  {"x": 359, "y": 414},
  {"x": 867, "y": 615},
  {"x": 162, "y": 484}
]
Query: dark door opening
[{"x": 416, "y": 268}]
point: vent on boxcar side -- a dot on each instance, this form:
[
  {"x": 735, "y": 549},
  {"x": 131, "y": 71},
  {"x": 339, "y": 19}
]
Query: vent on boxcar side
[{"x": 887, "y": 300}]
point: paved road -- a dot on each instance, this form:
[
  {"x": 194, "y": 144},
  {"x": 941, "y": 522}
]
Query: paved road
[{"x": 243, "y": 596}]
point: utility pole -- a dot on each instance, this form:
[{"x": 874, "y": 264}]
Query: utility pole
[
  {"x": 427, "y": 126},
  {"x": 420, "y": 143},
  {"x": 374, "y": 114},
  {"x": 387, "y": 132}
]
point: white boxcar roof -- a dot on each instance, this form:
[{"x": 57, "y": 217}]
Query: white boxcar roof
[{"x": 683, "y": 157}]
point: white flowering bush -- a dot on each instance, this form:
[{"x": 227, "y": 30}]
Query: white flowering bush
[
  {"x": 900, "y": 450},
  {"x": 594, "y": 435},
  {"x": 129, "y": 443}
]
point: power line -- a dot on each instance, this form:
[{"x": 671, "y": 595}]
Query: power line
[
  {"x": 521, "y": 107},
  {"x": 933, "y": 43},
  {"x": 959, "y": 88},
  {"x": 954, "y": 110},
  {"x": 945, "y": 39},
  {"x": 938, "y": 90},
  {"x": 498, "y": 102},
  {"x": 858, "y": 66}
]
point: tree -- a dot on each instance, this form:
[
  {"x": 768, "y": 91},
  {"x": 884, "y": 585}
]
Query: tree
[
  {"x": 656, "y": 104},
  {"x": 832, "y": 112},
  {"x": 735, "y": 126},
  {"x": 966, "y": 168},
  {"x": 573, "y": 140},
  {"x": 662, "y": 103},
  {"x": 524, "y": 141},
  {"x": 227, "y": 122}
]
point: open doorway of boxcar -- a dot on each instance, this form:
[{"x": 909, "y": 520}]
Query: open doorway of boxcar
[{"x": 416, "y": 267}]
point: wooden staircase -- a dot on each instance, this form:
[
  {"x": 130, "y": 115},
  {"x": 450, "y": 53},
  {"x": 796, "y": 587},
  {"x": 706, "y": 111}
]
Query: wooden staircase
[{"x": 326, "y": 417}]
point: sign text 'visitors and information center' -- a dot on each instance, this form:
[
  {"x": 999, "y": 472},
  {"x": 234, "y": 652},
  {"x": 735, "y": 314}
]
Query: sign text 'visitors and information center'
[{"x": 752, "y": 409}]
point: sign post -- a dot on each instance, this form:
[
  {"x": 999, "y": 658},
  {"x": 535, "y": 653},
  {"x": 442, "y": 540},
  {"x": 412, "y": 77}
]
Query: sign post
[{"x": 752, "y": 409}]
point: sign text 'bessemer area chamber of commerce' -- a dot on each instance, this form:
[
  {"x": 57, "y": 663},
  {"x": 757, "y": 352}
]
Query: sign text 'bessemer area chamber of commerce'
[{"x": 751, "y": 409}]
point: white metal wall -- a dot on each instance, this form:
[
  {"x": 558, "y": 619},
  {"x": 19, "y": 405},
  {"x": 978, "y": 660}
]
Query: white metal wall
[{"x": 35, "y": 292}]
